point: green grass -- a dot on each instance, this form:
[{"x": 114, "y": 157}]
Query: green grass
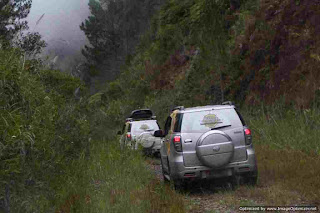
[
  {"x": 287, "y": 129},
  {"x": 115, "y": 180},
  {"x": 58, "y": 154},
  {"x": 288, "y": 151}
]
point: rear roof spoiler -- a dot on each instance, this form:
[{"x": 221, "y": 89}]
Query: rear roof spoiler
[{"x": 177, "y": 108}]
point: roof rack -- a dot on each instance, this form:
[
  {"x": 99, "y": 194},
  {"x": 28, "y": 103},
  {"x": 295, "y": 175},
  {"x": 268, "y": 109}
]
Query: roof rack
[
  {"x": 228, "y": 103},
  {"x": 140, "y": 119},
  {"x": 141, "y": 114}
]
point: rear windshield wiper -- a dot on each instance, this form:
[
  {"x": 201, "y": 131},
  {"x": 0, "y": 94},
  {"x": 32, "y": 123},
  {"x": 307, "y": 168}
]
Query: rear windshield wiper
[{"x": 219, "y": 127}]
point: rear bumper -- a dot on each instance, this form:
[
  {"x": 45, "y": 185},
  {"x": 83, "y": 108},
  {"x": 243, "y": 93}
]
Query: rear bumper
[
  {"x": 156, "y": 148},
  {"x": 179, "y": 171}
]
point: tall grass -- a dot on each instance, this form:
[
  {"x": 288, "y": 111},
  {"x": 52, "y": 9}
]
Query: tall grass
[
  {"x": 286, "y": 128},
  {"x": 116, "y": 181},
  {"x": 59, "y": 154},
  {"x": 288, "y": 149}
]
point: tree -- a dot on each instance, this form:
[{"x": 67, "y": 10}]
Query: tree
[
  {"x": 101, "y": 29},
  {"x": 113, "y": 30},
  {"x": 11, "y": 14},
  {"x": 30, "y": 43}
]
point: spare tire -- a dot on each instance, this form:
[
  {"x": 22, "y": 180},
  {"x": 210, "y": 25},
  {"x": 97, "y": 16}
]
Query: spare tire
[
  {"x": 146, "y": 139},
  {"x": 215, "y": 149}
]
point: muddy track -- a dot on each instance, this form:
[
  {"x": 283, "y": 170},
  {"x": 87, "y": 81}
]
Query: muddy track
[
  {"x": 198, "y": 197},
  {"x": 209, "y": 198}
]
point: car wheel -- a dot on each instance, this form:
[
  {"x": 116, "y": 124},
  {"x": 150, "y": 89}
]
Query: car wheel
[
  {"x": 157, "y": 155},
  {"x": 165, "y": 180},
  {"x": 252, "y": 178},
  {"x": 178, "y": 185},
  {"x": 147, "y": 152},
  {"x": 236, "y": 181}
]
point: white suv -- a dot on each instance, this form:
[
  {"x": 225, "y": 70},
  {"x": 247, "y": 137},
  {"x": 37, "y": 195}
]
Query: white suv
[{"x": 138, "y": 131}]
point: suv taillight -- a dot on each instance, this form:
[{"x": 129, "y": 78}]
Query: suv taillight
[
  {"x": 248, "y": 137},
  {"x": 177, "y": 143},
  {"x": 129, "y": 136}
]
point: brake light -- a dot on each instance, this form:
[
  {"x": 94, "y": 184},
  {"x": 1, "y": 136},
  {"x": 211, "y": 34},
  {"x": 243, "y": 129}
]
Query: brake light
[
  {"x": 177, "y": 143},
  {"x": 247, "y": 131},
  {"x": 248, "y": 137},
  {"x": 129, "y": 136},
  {"x": 177, "y": 139}
]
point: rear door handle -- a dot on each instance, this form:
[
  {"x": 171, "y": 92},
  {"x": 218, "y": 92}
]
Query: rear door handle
[{"x": 188, "y": 141}]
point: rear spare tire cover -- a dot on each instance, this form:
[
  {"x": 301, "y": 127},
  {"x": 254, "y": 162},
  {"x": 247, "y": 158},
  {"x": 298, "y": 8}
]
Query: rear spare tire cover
[
  {"x": 146, "y": 140},
  {"x": 215, "y": 149}
]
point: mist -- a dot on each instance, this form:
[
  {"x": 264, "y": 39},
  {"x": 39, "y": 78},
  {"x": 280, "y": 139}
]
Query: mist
[{"x": 59, "y": 27}]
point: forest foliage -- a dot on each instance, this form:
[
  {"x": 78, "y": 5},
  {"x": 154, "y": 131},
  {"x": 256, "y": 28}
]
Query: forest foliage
[
  {"x": 113, "y": 29},
  {"x": 199, "y": 52},
  {"x": 185, "y": 58},
  {"x": 58, "y": 144}
]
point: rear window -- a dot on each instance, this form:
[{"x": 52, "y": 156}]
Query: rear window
[
  {"x": 142, "y": 126},
  {"x": 204, "y": 121}
]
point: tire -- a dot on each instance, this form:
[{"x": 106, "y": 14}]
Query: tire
[
  {"x": 146, "y": 152},
  {"x": 236, "y": 181},
  {"x": 215, "y": 149},
  {"x": 165, "y": 180},
  {"x": 251, "y": 179},
  {"x": 178, "y": 185}
]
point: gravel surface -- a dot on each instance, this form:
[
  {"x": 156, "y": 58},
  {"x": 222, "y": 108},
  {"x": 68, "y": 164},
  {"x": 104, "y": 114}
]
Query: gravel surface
[
  {"x": 208, "y": 198},
  {"x": 201, "y": 197}
]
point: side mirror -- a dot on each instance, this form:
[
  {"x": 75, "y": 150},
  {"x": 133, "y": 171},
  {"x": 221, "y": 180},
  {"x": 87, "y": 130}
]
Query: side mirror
[
  {"x": 159, "y": 134},
  {"x": 119, "y": 133}
]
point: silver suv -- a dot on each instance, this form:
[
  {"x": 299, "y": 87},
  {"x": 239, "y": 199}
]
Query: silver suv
[
  {"x": 207, "y": 142},
  {"x": 138, "y": 131}
]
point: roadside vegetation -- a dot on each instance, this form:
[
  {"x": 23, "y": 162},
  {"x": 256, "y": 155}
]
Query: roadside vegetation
[
  {"x": 288, "y": 152},
  {"x": 59, "y": 152}
]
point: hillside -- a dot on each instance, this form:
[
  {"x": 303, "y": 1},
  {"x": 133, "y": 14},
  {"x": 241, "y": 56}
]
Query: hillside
[
  {"x": 206, "y": 51},
  {"x": 280, "y": 49}
]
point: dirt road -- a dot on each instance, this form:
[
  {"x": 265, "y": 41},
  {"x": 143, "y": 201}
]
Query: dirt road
[
  {"x": 208, "y": 198},
  {"x": 200, "y": 197}
]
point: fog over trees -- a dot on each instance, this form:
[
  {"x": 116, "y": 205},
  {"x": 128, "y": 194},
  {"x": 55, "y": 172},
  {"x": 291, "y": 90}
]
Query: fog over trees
[
  {"x": 113, "y": 30},
  {"x": 59, "y": 27},
  {"x": 110, "y": 31}
]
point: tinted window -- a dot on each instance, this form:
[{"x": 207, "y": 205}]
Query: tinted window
[{"x": 204, "y": 121}]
